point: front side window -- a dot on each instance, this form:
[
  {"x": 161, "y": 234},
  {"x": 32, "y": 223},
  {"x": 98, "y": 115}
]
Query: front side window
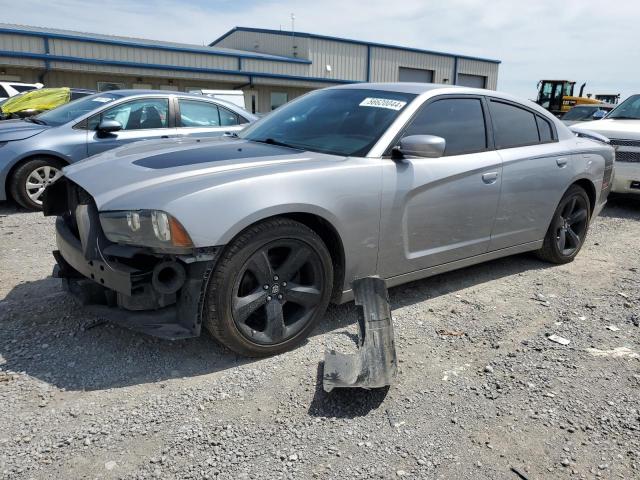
[
  {"x": 344, "y": 122},
  {"x": 459, "y": 121},
  {"x": 513, "y": 126},
  {"x": 194, "y": 113},
  {"x": 142, "y": 114}
]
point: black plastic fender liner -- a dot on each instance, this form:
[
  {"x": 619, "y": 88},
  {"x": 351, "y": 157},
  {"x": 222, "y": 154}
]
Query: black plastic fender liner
[{"x": 376, "y": 364}]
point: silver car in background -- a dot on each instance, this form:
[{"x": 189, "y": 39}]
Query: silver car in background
[
  {"x": 252, "y": 237},
  {"x": 34, "y": 150}
]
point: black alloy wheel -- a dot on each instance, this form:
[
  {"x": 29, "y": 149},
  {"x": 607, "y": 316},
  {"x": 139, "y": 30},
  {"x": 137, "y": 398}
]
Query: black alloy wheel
[
  {"x": 569, "y": 225},
  {"x": 278, "y": 291},
  {"x": 271, "y": 286}
]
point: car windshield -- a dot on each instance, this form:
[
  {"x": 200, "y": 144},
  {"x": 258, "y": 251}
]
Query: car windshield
[
  {"x": 75, "y": 109},
  {"x": 580, "y": 113},
  {"x": 629, "y": 109},
  {"x": 344, "y": 122}
]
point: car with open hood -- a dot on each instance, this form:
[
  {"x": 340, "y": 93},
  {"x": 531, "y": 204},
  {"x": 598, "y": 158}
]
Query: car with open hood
[
  {"x": 34, "y": 150},
  {"x": 622, "y": 127},
  {"x": 252, "y": 236}
]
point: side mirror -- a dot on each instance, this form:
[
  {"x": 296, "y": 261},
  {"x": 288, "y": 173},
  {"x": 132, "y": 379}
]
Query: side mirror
[
  {"x": 599, "y": 115},
  {"x": 109, "y": 126},
  {"x": 427, "y": 146}
]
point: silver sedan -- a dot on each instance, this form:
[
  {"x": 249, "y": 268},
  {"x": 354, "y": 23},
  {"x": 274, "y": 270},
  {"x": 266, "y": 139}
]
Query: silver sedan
[{"x": 252, "y": 237}]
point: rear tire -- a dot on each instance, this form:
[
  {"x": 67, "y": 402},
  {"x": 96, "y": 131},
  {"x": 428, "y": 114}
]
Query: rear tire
[
  {"x": 31, "y": 178},
  {"x": 271, "y": 286},
  {"x": 568, "y": 228}
]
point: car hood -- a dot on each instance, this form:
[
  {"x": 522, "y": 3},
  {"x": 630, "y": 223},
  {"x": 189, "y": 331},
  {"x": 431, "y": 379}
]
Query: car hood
[
  {"x": 612, "y": 128},
  {"x": 11, "y": 130},
  {"x": 133, "y": 176}
]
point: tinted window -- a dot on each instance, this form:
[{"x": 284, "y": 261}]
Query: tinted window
[
  {"x": 343, "y": 121},
  {"x": 459, "y": 121},
  {"x": 3, "y": 92},
  {"x": 513, "y": 126},
  {"x": 580, "y": 113},
  {"x": 227, "y": 118},
  {"x": 143, "y": 114},
  {"x": 198, "y": 114},
  {"x": 544, "y": 128},
  {"x": 23, "y": 88}
]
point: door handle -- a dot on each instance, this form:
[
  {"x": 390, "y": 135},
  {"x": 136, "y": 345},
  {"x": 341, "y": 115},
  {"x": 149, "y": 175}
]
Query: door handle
[
  {"x": 562, "y": 162},
  {"x": 490, "y": 177},
  {"x": 164, "y": 136}
]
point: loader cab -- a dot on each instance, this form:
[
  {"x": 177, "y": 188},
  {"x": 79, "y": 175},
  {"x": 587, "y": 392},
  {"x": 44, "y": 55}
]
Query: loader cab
[{"x": 551, "y": 93}]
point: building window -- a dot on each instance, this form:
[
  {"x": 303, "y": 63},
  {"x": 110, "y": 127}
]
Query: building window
[
  {"x": 415, "y": 75},
  {"x": 106, "y": 86},
  {"x": 278, "y": 99}
]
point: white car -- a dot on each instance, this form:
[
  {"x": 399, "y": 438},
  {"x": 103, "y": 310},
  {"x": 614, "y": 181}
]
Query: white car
[
  {"x": 622, "y": 127},
  {"x": 10, "y": 89}
]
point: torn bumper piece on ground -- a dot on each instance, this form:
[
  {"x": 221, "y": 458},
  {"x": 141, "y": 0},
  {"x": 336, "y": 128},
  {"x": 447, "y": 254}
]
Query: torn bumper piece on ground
[{"x": 375, "y": 365}]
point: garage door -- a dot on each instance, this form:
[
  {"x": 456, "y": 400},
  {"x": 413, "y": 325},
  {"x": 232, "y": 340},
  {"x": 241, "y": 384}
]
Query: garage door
[
  {"x": 415, "y": 75},
  {"x": 475, "y": 81}
]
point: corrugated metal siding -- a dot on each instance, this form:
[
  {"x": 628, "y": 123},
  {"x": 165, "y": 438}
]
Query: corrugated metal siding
[
  {"x": 21, "y": 62},
  {"x": 279, "y": 68},
  {"x": 267, "y": 43},
  {"x": 81, "y": 49},
  {"x": 21, "y": 43},
  {"x": 385, "y": 63},
  {"x": 348, "y": 61},
  {"x": 478, "y": 67}
]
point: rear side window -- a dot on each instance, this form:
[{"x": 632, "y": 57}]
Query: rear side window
[
  {"x": 227, "y": 118},
  {"x": 513, "y": 126},
  {"x": 194, "y": 113},
  {"x": 23, "y": 88},
  {"x": 459, "y": 121},
  {"x": 544, "y": 129},
  {"x": 3, "y": 92}
]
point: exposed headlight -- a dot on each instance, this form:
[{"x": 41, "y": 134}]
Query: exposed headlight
[{"x": 147, "y": 228}]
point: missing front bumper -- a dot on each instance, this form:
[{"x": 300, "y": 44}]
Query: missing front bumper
[{"x": 120, "y": 293}]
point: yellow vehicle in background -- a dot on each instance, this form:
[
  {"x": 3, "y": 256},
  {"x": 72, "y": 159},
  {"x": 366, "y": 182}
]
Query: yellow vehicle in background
[{"x": 557, "y": 96}]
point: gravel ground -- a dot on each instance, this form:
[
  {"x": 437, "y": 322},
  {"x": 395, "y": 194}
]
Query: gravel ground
[{"x": 482, "y": 392}]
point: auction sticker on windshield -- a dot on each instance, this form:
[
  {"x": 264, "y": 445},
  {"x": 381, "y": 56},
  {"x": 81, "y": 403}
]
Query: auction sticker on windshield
[
  {"x": 383, "y": 103},
  {"x": 103, "y": 99}
]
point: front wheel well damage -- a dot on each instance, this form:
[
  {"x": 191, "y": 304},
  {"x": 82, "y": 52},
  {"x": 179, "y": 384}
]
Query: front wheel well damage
[{"x": 22, "y": 161}]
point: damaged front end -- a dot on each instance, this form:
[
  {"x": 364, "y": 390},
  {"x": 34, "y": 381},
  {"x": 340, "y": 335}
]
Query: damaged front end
[{"x": 154, "y": 290}]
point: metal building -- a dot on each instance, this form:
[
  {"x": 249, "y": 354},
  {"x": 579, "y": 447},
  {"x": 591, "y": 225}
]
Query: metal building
[{"x": 270, "y": 66}]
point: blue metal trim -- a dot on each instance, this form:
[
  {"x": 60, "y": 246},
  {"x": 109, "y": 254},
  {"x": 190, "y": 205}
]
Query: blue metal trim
[
  {"x": 368, "y": 77},
  {"x": 47, "y": 51},
  {"x": 455, "y": 71},
  {"x": 169, "y": 48},
  {"x": 119, "y": 63},
  {"x": 348, "y": 40},
  {"x": 239, "y": 63}
]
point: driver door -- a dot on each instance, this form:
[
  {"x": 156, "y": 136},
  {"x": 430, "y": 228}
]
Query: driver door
[
  {"x": 439, "y": 210},
  {"x": 141, "y": 119}
]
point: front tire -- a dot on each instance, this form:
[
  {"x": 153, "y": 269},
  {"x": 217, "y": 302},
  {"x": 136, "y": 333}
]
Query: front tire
[
  {"x": 568, "y": 228},
  {"x": 31, "y": 178},
  {"x": 270, "y": 288}
]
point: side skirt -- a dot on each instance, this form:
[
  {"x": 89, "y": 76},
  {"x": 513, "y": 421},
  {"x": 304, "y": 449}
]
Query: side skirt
[{"x": 347, "y": 295}]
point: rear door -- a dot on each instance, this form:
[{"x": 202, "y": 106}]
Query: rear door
[
  {"x": 141, "y": 119},
  {"x": 439, "y": 210},
  {"x": 200, "y": 118},
  {"x": 536, "y": 170}
]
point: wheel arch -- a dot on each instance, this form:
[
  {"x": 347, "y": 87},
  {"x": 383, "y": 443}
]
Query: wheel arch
[
  {"x": 329, "y": 235},
  {"x": 588, "y": 186},
  {"x": 25, "y": 159}
]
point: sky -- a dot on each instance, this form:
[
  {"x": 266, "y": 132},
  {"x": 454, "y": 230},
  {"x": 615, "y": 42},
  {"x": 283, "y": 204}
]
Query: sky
[{"x": 583, "y": 40}]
